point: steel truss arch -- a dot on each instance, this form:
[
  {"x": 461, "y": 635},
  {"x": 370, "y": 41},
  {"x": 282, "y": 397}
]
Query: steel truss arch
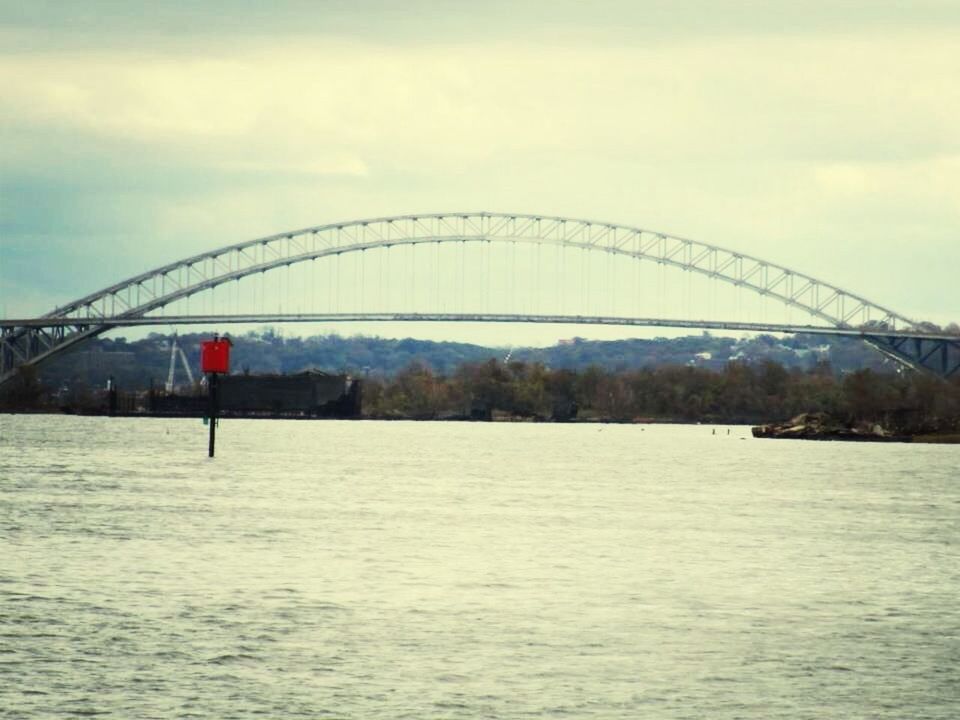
[{"x": 149, "y": 291}]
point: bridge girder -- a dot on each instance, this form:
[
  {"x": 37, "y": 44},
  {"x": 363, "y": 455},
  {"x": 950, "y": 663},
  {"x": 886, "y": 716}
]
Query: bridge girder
[
  {"x": 137, "y": 296},
  {"x": 938, "y": 356}
]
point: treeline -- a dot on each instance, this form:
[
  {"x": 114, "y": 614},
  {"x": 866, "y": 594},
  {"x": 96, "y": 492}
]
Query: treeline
[
  {"x": 140, "y": 364},
  {"x": 739, "y": 393}
]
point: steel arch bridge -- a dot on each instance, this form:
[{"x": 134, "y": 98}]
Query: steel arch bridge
[{"x": 29, "y": 341}]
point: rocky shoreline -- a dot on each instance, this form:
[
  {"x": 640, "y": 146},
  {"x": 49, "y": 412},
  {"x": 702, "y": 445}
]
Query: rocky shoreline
[{"x": 820, "y": 426}]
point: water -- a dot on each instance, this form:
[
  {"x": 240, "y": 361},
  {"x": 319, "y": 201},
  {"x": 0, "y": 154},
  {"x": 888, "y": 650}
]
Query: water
[{"x": 455, "y": 570}]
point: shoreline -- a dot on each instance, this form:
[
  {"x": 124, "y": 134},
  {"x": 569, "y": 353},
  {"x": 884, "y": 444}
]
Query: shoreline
[
  {"x": 772, "y": 431},
  {"x": 823, "y": 427}
]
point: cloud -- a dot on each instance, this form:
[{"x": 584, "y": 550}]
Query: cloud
[
  {"x": 720, "y": 98},
  {"x": 935, "y": 179},
  {"x": 794, "y": 134},
  {"x": 129, "y": 23}
]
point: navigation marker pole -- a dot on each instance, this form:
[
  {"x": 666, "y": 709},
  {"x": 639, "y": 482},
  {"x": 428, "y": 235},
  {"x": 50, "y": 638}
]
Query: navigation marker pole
[
  {"x": 214, "y": 360},
  {"x": 212, "y": 412}
]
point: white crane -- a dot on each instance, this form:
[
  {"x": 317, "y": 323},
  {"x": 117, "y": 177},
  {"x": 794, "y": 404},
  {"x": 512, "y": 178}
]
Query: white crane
[{"x": 174, "y": 349}]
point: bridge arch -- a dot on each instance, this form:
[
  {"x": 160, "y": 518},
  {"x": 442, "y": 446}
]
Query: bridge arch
[
  {"x": 161, "y": 286},
  {"x": 142, "y": 294}
]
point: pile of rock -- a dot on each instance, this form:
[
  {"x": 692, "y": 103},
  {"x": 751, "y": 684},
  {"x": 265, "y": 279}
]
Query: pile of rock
[{"x": 821, "y": 426}]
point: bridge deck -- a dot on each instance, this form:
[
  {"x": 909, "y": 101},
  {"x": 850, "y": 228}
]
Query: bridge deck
[{"x": 255, "y": 319}]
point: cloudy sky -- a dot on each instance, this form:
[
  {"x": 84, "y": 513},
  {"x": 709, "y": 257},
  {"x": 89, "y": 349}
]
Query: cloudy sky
[{"x": 821, "y": 135}]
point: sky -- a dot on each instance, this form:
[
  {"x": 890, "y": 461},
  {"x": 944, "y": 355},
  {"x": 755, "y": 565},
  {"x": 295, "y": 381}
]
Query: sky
[{"x": 819, "y": 135}]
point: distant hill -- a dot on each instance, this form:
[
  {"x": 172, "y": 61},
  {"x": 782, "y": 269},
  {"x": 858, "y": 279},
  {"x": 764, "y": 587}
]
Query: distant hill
[
  {"x": 137, "y": 364},
  {"x": 709, "y": 351}
]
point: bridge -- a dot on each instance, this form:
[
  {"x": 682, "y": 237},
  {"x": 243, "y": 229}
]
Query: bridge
[{"x": 476, "y": 267}]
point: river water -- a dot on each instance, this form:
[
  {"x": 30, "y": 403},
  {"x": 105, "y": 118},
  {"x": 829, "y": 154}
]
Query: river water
[{"x": 472, "y": 570}]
